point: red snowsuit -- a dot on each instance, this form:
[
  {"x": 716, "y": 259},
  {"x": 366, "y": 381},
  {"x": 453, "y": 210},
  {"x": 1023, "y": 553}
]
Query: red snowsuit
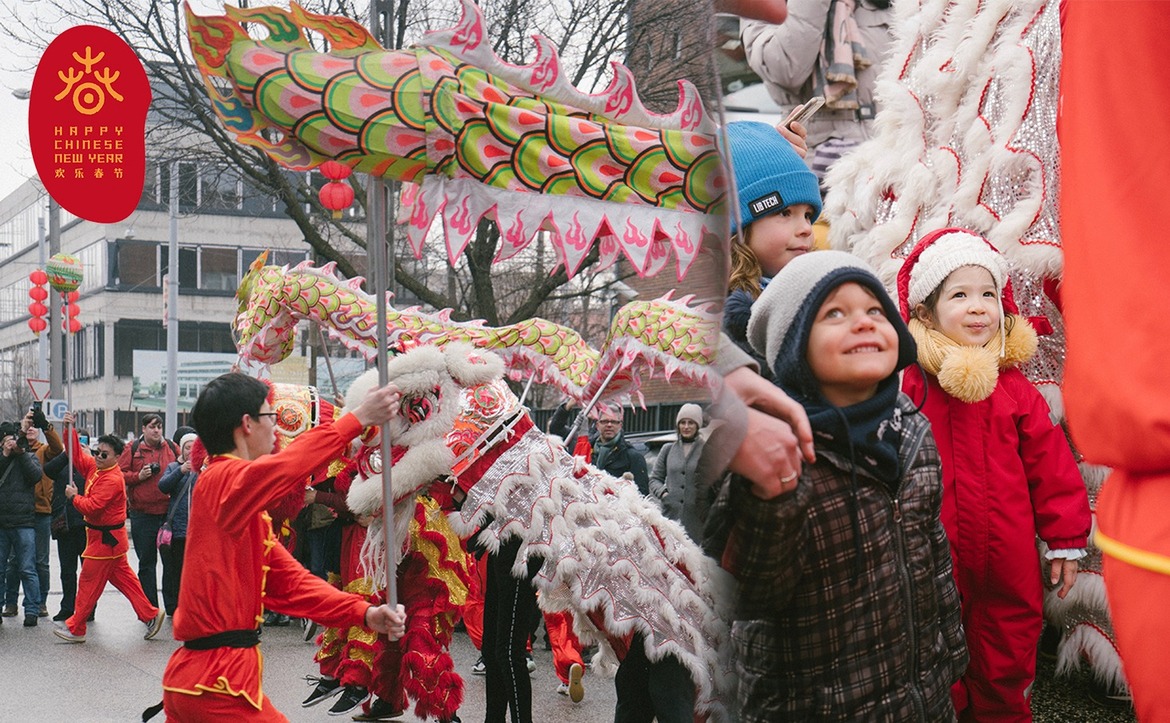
[
  {"x": 235, "y": 568},
  {"x": 1008, "y": 476}
]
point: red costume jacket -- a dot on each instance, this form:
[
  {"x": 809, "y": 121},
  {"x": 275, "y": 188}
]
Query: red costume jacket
[
  {"x": 235, "y": 568},
  {"x": 103, "y": 504}
]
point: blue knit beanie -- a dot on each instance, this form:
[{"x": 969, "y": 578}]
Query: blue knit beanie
[{"x": 769, "y": 175}]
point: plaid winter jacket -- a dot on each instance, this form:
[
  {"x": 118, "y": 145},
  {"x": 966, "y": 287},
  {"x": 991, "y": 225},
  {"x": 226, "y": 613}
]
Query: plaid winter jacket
[{"x": 823, "y": 636}]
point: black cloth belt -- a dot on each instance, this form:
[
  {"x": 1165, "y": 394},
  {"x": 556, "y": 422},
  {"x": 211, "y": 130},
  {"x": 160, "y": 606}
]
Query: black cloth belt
[
  {"x": 226, "y": 639},
  {"x": 106, "y": 530}
]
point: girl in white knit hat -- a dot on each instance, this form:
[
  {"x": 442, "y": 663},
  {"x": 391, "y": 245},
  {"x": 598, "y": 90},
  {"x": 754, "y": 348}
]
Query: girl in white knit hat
[{"x": 1008, "y": 472}]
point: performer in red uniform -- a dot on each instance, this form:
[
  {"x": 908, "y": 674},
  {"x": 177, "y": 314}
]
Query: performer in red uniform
[
  {"x": 235, "y": 568},
  {"x": 106, "y": 543}
]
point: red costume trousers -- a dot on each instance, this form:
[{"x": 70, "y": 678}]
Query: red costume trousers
[
  {"x": 95, "y": 573},
  {"x": 473, "y": 610},
  {"x": 183, "y": 707},
  {"x": 566, "y": 648}
]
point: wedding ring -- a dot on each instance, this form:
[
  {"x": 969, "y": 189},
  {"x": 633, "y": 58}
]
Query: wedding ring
[{"x": 790, "y": 477}]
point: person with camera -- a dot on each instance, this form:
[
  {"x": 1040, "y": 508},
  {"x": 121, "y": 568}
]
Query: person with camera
[
  {"x": 19, "y": 474},
  {"x": 142, "y": 463},
  {"x": 32, "y": 426},
  {"x": 104, "y": 508}
]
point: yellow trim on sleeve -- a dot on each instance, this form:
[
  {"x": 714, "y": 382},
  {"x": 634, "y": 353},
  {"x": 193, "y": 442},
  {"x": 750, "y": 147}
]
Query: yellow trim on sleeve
[{"x": 1152, "y": 561}]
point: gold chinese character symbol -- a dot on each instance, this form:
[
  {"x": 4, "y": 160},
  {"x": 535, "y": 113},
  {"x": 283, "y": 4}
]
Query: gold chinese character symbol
[{"x": 88, "y": 96}]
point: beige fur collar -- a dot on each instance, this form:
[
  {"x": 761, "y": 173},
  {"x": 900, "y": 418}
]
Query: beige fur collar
[{"x": 970, "y": 373}]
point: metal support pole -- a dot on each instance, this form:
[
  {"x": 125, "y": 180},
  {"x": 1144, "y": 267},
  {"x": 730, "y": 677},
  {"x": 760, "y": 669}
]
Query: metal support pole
[
  {"x": 55, "y": 332},
  {"x": 172, "y": 398}
]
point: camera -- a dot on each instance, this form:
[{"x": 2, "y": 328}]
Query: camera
[{"x": 154, "y": 468}]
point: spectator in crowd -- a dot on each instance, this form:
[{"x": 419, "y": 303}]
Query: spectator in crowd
[
  {"x": 142, "y": 463},
  {"x": 613, "y": 454},
  {"x": 104, "y": 508},
  {"x": 828, "y": 48},
  {"x": 19, "y": 475},
  {"x": 32, "y": 426},
  {"x": 679, "y": 481},
  {"x": 177, "y": 482},
  {"x": 68, "y": 528}
]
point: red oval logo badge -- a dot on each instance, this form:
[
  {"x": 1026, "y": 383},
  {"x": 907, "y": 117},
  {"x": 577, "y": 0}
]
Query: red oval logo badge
[{"x": 87, "y": 123}]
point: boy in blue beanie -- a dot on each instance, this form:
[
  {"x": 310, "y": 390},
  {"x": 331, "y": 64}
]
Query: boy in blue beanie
[{"x": 847, "y": 609}]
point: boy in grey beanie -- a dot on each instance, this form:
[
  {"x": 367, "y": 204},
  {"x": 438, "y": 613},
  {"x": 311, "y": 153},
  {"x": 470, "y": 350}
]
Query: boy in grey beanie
[{"x": 847, "y": 607}]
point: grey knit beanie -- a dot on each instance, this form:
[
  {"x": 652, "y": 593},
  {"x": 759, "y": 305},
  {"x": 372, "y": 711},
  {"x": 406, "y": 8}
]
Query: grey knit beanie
[
  {"x": 783, "y": 315},
  {"x": 690, "y": 411}
]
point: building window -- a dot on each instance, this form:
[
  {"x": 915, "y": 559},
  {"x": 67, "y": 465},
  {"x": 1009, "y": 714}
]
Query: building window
[
  {"x": 150, "y": 335},
  {"x": 135, "y": 265},
  {"x": 220, "y": 189},
  {"x": 219, "y": 268}
]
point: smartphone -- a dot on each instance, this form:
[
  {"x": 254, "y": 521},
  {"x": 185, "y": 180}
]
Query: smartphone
[{"x": 801, "y": 113}]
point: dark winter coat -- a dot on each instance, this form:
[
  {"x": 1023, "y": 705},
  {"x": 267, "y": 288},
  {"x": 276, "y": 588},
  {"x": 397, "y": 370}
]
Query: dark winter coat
[
  {"x": 822, "y": 635},
  {"x": 172, "y": 483},
  {"x": 19, "y": 474},
  {"x": 620, "y": 457},
  {"x": 55, "y": 468}
]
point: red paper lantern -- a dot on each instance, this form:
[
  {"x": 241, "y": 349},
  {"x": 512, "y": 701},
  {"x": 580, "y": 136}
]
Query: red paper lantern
[
  {"x": 37, "y": 309},
  {"x": 38, "y": 293},
  {"x": 39, "y": 277},
  {"x": 37, "y": 325},
  {"x": 334, "y": 171},
  {"x": 73, "y": 296},
  {"x": 74, "y": 310},
  {"x": 74, "y": 326},
  {"x": 336, "y": 196}
]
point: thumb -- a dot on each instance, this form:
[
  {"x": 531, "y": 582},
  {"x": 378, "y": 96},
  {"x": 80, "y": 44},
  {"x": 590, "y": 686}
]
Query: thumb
[{"x": 1054, "y": 572}]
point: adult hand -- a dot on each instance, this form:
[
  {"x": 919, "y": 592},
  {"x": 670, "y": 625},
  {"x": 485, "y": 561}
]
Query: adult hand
[
  {"x": 379, "y": 405},
  {"x": 1064, "y": 572},
  {"x": 67, "y": 419},
  {"x": 391, "y": 622},
  {"x": 759, "y": 393},
  {"x": 70, "y": 491},
  {"x": 310, "y": 496},
  {"x": 185, "y": 467},
  {"x": 144, "y": 473},
  {"x": 9, "y": 446}
]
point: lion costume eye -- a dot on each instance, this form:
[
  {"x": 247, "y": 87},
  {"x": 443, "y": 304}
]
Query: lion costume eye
[{"x": 417, "y": 409}]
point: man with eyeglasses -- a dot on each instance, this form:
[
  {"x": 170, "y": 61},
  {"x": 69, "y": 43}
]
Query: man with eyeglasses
[
  {"x": 142, "y": 464},
  {"x": 104, "y": 508},
  {"x": 234, "y": 566},
  {"x": 614, "y": 454}
]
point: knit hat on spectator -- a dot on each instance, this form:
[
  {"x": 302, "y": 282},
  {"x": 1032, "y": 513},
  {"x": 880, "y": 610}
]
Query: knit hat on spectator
[
  {"x": 783, "y": 316},
  {"x": 938, "y": 255},
  {"x": 689, "y": 411},
  {"x": 188, "y": 437},
  {"x": 966, "y": 373},
  {"x": 181, "y": 432},
  {"x": 769, "y": 175}
]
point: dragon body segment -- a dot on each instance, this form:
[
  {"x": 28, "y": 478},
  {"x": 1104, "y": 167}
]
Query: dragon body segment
[{"x": 480, "y": 136}]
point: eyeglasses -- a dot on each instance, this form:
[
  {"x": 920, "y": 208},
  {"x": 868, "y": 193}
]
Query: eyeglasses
[
  {"x": 609, "y": 421},
  {"x": 266, "y": 414},
  {"x": 102, "y": 454}
]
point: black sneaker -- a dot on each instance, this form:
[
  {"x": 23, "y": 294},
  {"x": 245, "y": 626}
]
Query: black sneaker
[
  {"x": 62, "y": 616},
  {"x": 380, "y": 710},
  {"x": 351, "y": 697},
  {"x": 310, "y": 629},
  {"x": 479, "y": 668},
  {"x": 9, "y": 611},
  {"x": 30, "y": 621},
  {"x": 325, "y": 688}
]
